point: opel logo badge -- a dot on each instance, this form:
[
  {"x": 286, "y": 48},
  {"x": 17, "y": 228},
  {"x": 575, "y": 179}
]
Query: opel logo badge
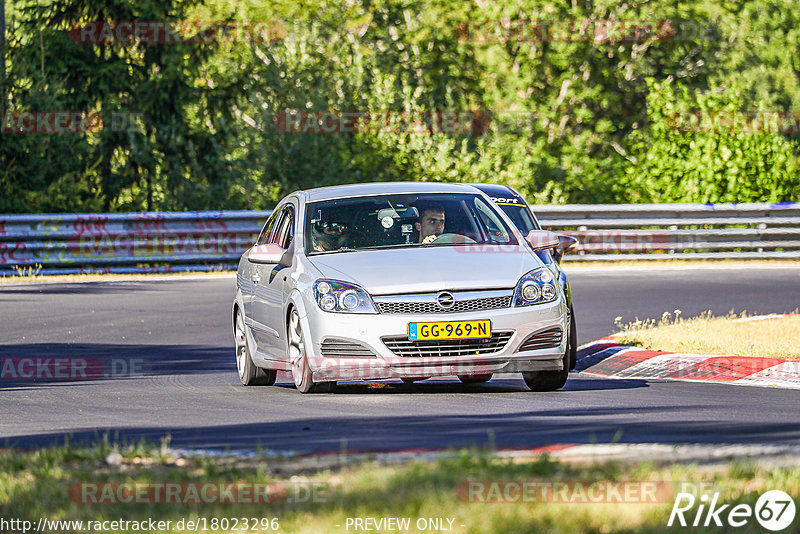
[{"x": 446, "y": 300}]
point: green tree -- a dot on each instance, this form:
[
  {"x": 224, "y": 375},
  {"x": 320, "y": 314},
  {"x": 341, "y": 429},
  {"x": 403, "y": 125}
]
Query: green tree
[
  {"x": 173, "y": 151},
  {"x": 577, "y": 113}
]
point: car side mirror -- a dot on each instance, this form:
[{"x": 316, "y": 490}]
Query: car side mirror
[
  {"x": 269, "y": 253},
  {"x": 542, "y": 239},
  {"x": 566, "y": 243}
]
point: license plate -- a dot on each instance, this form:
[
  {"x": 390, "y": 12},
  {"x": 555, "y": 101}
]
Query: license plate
[{"x": 450, "y": 330}]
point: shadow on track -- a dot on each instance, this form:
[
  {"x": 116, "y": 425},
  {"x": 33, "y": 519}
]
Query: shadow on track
[
  {"x": 502, "y": 384},
  {"x": 529, "y": 429},
  {"x": 83, "y": 288}
]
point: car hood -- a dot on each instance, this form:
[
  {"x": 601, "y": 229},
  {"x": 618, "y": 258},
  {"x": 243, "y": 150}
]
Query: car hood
[{"x": 430, "y": 269}]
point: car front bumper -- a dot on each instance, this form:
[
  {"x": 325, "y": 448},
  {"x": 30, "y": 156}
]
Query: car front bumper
[{"x": 379, "y": 362}]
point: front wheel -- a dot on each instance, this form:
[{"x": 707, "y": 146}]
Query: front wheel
[
  {"x": 545, "y": 380},
  {"x": 548, "y": 380},
  {"x": 572, "y": 346},
  {"x": 249, "y": 374},
  {"x": 301, "y": 371}
]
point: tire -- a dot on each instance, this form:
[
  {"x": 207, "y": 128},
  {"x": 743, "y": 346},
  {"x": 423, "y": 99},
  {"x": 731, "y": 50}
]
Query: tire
[
  {"x": 249, "y": 374},
  {"x": 548, "y": 380},
  {"x": 301, "y": 371},
  {"x": 572, "y": 343},
  {"x": 475, "y": 379},
  {"x": 545, "y": 380}
]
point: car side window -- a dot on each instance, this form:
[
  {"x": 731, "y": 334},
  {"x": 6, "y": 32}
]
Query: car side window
[
  {"x": 287, "y": 235},
  {"x": 491, "y": 223},
  {"x": 284, "y": 232},
  {"x": 268, "y": 226}
]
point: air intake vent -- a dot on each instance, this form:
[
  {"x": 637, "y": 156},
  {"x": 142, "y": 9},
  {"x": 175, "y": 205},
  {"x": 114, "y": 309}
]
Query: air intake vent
[
  {"x": 415, "y": 308},
  {"x": 543, "y": 340},
  {"x": 402, "y": 346},
  {"x": 342, "y": 348}
]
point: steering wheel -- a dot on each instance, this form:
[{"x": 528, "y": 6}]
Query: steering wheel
[{"x": 453, "y": 239}]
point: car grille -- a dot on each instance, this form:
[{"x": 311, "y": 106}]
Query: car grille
[
  {"x": 543, "y": 340},
  {"x": 414, "y": 308},
  {"x": 402, "y": 346},
  {"x": 341, "y": 348}
]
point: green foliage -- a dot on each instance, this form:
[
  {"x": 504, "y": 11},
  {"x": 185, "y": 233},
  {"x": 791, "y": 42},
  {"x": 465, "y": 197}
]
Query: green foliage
[
  {"x": 573, "y": 118},
  {"x": 718, "y": 156},
  {"x": 478, "y": 490}
]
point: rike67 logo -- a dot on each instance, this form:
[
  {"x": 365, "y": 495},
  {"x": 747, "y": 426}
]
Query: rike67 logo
[{"x": 774, "y": 510}]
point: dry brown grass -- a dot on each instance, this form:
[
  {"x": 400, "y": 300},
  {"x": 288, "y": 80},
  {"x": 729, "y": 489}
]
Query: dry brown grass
[{"x": 728, "y": 336}]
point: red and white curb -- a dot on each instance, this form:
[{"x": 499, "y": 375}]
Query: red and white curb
[{"x": 607, "y": 358}]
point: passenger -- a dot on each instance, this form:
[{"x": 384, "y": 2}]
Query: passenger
[{"x": 329, "y": 235}]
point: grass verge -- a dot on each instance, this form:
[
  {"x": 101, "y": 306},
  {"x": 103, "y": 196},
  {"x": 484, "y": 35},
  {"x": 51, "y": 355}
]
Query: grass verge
[
  {"x": 731, "y": 335},
  {"x": 42, "y": 484}
]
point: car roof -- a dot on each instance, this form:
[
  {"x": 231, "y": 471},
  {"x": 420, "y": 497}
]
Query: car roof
[
  {"x": 382, "y": 188},
  {"x": 500, "y": 191}
]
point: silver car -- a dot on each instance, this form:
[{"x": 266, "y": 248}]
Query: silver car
[{"x": 397, "y": 281}]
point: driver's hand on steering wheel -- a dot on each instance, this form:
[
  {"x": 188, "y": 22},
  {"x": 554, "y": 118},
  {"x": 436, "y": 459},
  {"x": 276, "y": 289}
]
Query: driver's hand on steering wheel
[{"x": 429, "y": 239}]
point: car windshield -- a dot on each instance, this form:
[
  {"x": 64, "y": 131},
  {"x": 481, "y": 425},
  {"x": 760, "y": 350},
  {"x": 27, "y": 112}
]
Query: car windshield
[{"x": 394, "y": 221}]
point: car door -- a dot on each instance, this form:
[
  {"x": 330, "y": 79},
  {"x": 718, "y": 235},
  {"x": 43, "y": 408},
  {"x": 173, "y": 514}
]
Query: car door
[
  {"x": 245, "y": 274},
  {"x": 268, "y": 282}
]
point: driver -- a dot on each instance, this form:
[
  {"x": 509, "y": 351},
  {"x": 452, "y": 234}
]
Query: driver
[
  {"x": 329, "y": 235},
  {"x": 430, "y": 224}
]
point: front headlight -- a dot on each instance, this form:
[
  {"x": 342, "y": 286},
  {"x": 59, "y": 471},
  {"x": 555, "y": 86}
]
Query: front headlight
[
  {"x": 336, "y": 296},
  {"x": 536, "y": 287}
]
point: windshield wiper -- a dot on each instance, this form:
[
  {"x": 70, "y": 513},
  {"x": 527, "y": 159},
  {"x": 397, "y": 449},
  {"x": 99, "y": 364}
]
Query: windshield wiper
[
  {"x": 454, "y": 244},
  {"x": 387, "y": 247},
  {"x": 340, "y": 249}
]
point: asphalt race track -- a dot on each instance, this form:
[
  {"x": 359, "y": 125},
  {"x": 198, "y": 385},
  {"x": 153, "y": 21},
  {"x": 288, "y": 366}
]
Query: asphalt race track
[{"x": 176, "y": 338}]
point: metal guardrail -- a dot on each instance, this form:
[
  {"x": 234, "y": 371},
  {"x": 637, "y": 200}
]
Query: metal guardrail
[
  {"x": 614, "y": 232},
  {"x": 127, "y": 242},
  {"x": 214, "y": 240}
]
